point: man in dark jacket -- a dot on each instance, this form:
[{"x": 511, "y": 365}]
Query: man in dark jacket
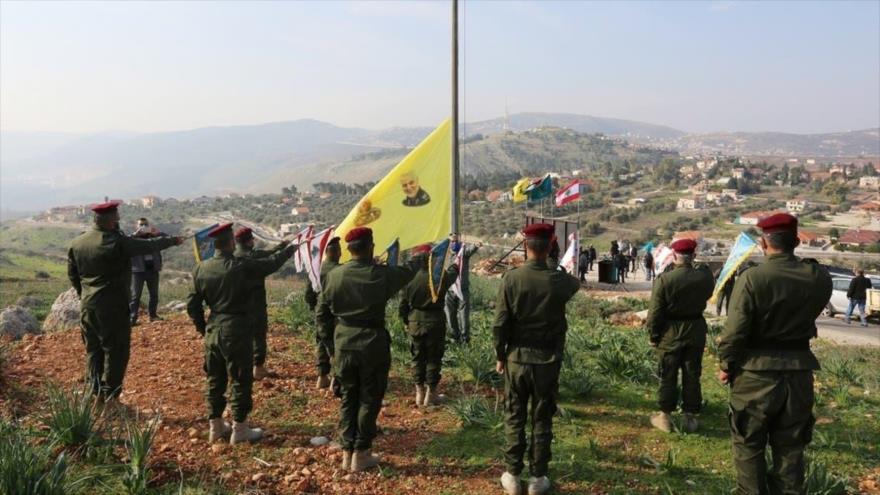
[
  {"x": 858, "y": 294},
  {"x": 583, "y": 262},
  {"x": 592, "y": 258},
  {"x": 145, "y": 268}
]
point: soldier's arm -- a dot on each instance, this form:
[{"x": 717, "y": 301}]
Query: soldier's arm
[
  {"x": 470, "y": 250},
  {"x": 195, "y": 308},
  {"x": 265, "y": 253},
  {"x": 132, "y": 246},
  {"x": 399, "y": 276},
  {"x": 311, "y": 296},
  {"x": 734, "y": 338},
  {"x": 572, "y": 285},
  {"x": 263, "y": 267},
  {"x": 656, "y": 321},
  {"x": 404, "y": 309},
  {"x": 325, "y": 320},
  {"x": 449, "y": 278},
  {"x": 73, "y": 273},
  {"x": 503, "y": 320}
]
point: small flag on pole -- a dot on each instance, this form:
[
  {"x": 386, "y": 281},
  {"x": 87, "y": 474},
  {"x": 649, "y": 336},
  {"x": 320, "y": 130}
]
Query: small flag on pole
[
  {"x": 540, "y": 188},
  {"x": 203, "y": 248},
  {"x": 569, "y": 193},
  {"x": 392, "y": 254},
  {"x": 437, "y": 262},
  {"x": 519, "y": 190},
  {"x": 741, "y": 250}
]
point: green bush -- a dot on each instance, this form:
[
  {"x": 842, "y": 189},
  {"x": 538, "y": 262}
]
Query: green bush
[
  {"x": 625, "y": 359},
  {"x": 475, "y": 410},
  {"x": 72, "y": 420},
  {"x": 820, "y": 481},
  {"x": 138, "y": 444},
  {"x": 28, "y": 469}
]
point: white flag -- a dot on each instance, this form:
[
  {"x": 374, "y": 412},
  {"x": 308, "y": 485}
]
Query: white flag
[{"x": 570, "y": 259}]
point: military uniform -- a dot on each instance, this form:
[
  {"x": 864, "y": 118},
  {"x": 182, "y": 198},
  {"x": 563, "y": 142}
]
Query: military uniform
[
  {"x": 678, "y": 330},
  {"x": 322, "y": 352},
  {"x": 99, "y": 268},
  {"x": 225, "y": 283},
  {"x": 351, "y": 321},
  {"x": 425, "y": 322},
  {"x": 529, "y": 335},
  {"x": 765, "y": 350},
  {"x": 259, "y": 313}
]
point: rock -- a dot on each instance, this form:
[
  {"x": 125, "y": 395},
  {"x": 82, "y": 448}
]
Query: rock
[
  {"x": 643, "y": 315},
  {"x": 290, "y": 478},
  {"x": 175, "y": 306},
  {"x": 64, "y": 314},
  {"x": 192, "y": 432},
  {"x": 257, "y": 477},
  {"x": 319, "y": 441},
  {"x": 218, "y": 447},
  {"x": 17, "y": 321},
  {"x": 303, "y": 485},
  {"x": 29, "y": 302}
]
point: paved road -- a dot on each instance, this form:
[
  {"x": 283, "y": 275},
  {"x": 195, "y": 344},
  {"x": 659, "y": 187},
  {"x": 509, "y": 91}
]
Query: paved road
[{"x": 836, "y": 330}]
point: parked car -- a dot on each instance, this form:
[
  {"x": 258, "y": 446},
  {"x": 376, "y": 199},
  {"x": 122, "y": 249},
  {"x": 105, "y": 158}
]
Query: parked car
[{"x": 839, "y": 302}]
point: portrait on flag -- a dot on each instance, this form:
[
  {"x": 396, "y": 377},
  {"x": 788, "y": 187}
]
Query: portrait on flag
[{"x": 413, "y": 201}]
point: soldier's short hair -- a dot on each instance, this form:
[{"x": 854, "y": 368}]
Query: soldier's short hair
[
  {"x": 360, "y": 246},
  {"x": 784, "y": 240},
  {"x": 538, "y": 244}
]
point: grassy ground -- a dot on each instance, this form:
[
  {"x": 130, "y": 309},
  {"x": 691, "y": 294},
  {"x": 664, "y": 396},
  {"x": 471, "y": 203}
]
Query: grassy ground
[{"x": 603, "y": 442}]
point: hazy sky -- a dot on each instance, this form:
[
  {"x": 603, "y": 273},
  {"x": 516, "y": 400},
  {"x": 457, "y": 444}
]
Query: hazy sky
[{"x": 697, "y": 66}]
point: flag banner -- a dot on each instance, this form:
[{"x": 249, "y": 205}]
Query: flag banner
[
  {"x": 540, "y": 189},
  {"x": 391, "y": 256},
  {"x": 437, "y": 264},
  {"x": 203, "y": 246},
  {"x": 662, "y": 258},
  {"x": 316, "y": 246},
  {"x": 569, "y": 193},
  {"x": 569, "y": 260},
  {"x": 519, "y": 190},
  {"x": 412, "y": 202},
  {"x": 741, "y": 250},
  {"x": 299, "y": 257},
  {"x": 459, "y": 261}
]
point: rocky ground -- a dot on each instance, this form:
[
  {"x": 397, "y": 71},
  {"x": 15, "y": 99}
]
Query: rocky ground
[{"x": 165, "y": 378}]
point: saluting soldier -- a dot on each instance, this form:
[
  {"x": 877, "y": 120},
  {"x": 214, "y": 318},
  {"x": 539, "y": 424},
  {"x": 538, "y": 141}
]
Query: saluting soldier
[
  {"x": 425, "y": 321},
  {"x": 244, "y": 240},
  {"x": 765, "y": 357},
  {"x": 99, "y": 268},
  {"x": 353, "y": 301},
  {"x": 677, "y": 329},
  {"x": 225, "y": 284},
  {"x": 332, "y": 254},
  {"x": 529, "y": 334}
]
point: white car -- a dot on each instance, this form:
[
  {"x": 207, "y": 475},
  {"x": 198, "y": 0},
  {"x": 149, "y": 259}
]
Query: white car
[{"x": 839, "y": 302}]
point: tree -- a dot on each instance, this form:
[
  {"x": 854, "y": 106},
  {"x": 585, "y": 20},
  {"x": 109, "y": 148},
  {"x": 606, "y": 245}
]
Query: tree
[{"x": 834, "y": 233}]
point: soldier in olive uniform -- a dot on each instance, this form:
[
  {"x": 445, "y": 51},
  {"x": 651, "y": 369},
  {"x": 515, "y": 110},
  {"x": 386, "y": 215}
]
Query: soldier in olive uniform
[
  {"x": 529, "y": 334},
  {"x": 244, "y": 240},
  {"x": 765, "y": 357},
  {"x": 425, "y": 322},
  {"x": 225, "y": 284},
  {"x": 99, "y": 268},
  {"x": 332, "y": 253},
  {"x": 353, "y": 301},
  {"x": 677, "y": 329}
]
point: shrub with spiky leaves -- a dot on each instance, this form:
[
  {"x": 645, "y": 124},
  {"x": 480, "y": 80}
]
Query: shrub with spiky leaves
[
  {"x": 29, "y": 469},
  {"x": 820, "y": 481},
  {"x": 139, "y": 440},
  {"x": 475, "y": 410},
  {"x": 72, "y": 418}
]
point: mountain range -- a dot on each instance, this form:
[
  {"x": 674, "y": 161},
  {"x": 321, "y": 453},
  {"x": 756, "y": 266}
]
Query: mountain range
[{"x": 40, "y": 169}]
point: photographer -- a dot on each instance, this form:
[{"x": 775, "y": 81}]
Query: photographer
[{"x": 145, "y": 268}]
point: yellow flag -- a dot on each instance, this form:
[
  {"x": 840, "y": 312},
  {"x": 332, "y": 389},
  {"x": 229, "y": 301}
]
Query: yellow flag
[
  {"x": 412, "y": 202},
  {"x": 519, "y": 190}
]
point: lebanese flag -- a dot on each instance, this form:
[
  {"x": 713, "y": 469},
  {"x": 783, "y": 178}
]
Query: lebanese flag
[
  {"x": 299, "y": 258},
  {"x": 569, "y": 193},
  {"x": 316, "y": 246}
]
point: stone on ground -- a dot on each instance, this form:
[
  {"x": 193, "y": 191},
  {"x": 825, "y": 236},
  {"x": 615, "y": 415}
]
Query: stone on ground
[
  {"x": 17, "y": 321},
  {"x": 64, "y": 314}
]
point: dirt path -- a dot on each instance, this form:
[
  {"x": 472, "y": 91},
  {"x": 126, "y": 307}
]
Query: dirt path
[{"x": 165, "y": 377}]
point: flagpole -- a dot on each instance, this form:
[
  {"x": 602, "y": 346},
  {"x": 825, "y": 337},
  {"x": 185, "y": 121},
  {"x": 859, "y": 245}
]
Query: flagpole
[{"x": 455, "y": 163}]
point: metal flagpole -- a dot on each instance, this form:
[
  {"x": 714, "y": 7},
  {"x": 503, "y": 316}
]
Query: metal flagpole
[{"x": 455, "y": 163}]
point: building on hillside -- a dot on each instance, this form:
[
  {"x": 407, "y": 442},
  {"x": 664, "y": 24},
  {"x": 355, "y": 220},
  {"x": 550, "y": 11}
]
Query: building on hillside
[
  {"x": 476, "y": 195},
  {"x": 701, "y": 187},
  {"x": 723, "y": 181},
  {"x": 811, "y": 161},
  {"x": 731, "y": 194},
  {"x": 288, "y": 228},
  {"x": 810, "y": 239},
  {"x": 299, "y": 210},
  {"x": 795, "y": 205},
  {"x": 494, "y": 196},
  {"x": 739, "y": 173},
  {"x": 691, "y": 204},
  {"x": 859, "y": 238},
  {"x": 753, "y": 217},
  {"x": 636, "y": 201},
  {"x": 150, "y": 201},
  {"x": 325, "y": 195},
  {"x": 869, "y": 181}
]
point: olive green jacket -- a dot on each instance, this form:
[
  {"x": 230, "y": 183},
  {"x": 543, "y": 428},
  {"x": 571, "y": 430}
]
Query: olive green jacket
[
  {"x": 99, "y": 265},
  {"x": 225, "y": 283},
  {"x": 772, "y": 315},
  {"x": 258, "y": 283},
  {"x": 675, "y": 312},
  {"x": 415, "y": 300},
  {"x": 530, "y": 322},
  {"x": 356, "y": 294}
]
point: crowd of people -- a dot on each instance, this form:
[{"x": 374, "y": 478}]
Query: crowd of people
[{"x": 764, "y": 349}]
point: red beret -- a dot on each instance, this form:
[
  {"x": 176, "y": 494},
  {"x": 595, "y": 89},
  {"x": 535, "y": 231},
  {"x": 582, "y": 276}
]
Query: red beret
[
  {"x": 358, "y": 233},
  {"x": 684, "y": 246},
  {"x": 421, "y": 249},
  {"x": 224, "y": 228},
  {"x": 780, "y": 222},
  {"x": 105, "y": 207},
  {"x": 539, "y": 230},
  {"x": 244, "y": 234}
]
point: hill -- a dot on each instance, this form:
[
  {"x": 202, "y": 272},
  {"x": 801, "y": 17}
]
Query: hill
[
  {"x": 837, "y": 144},
  {"x": 581, "y": 123}
]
